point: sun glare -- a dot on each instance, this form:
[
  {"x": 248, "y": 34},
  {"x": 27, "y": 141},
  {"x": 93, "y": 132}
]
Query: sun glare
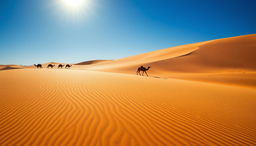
[
  {"x": 73, "y": 10},
  {"x": 74, "y": 5}
]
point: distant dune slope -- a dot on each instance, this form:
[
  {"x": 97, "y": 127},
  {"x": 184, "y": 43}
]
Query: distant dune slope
[
  {"x": 92, "y": 62},
  {"x": 75, "y": 107},
  {"x": 236, "y": 53},
  {"x": 8, "y": 67},
  {"x": 229, "y": 54}
]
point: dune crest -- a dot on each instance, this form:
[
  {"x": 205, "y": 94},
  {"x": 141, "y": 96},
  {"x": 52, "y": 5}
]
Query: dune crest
[
  {"x": 235, "y": 53},
  {"x": 228, "y": 61},
  {"x": 93, "y": 62},
  {"x": 8, "y": 67}
]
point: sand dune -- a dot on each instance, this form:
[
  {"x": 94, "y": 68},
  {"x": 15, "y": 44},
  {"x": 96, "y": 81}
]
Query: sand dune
[
  {"x": 236, "y": 53},
  {"x": 85, "y": 106},
  {"x": 229, "y": 54},
  {"x": 76, "y": 107},
  {"x": 229, "y": 78},
  {"x": 226, "y": 61},
  {"x": 93, "y": 62},
  {"x": 8, "y": 67}
]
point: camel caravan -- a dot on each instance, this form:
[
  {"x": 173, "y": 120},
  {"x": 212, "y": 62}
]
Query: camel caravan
[
  {"x": 140, "y": 71},
  {"x": 67, "y": 66}
]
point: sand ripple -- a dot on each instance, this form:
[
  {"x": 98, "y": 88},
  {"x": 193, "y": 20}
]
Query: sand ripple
[{"x": 90, "y": 108}]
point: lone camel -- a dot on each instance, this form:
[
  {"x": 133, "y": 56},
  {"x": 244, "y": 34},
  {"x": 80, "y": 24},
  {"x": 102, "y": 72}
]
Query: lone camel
[
  {"x": 143, "y": 69},
  {"x": 50, "y": 66},
  {"x": 38, "y": 65}
]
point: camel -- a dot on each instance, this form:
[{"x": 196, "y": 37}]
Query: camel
[
  {"x": 68, "y": 66},
  {"x": 61, "y": 65},
  {"x": 38, "y": 65},
  {"x": 50, "y": 66},
  {"x": 143, "y": 69}
]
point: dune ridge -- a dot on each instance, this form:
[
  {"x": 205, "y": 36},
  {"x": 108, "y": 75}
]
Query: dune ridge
[
  {"x": 226, "y": 61},
  {"x": 228, "y": 54},
  {"x": 8, "y": 67},
  {"x": 75, "y": 107},
  {"x": 93, "y": 62}
]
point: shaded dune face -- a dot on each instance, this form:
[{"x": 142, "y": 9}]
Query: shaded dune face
[
  {"x": 230, "y": 53},
  {"x": 68, "y": 107},
  {"x": 9, "y": 67},
  {"x": 226, "y": 54},
  {"x": 237, "y": 53},
  {"x": 130, "y": 63},
  {"x": 92, "y": 62}
]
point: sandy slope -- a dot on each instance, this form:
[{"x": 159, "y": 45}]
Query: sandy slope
[
  {"x": 229, "y": 54},
  {"x": 228, "y": 61},
  {"x": 72, "y": 107},
  {"x": 8, "y": 67},
  {"x": 93, "y": 62},
  {"x": 229, "y": 78}
]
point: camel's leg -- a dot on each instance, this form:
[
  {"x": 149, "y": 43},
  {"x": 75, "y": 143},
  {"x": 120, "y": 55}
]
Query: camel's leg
[
  {"x": 143, "y": 73},
  {"x": 138, "y": 72},
  {"x": 146, "y": 73}
]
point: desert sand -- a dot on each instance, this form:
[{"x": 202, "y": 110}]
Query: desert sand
[
  {"x": 196, "y": 94},
  {"x": 75, "y": 107},
  {"x": 8, "y": 67},
  {"x": 227, "y": 61},
  {"x": 93, "y": 62},
  {"x": 228, "y": 54}
]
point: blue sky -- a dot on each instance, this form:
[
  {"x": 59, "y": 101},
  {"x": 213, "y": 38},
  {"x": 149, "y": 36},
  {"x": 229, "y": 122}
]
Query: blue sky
[{"x": 39, "y": 31}]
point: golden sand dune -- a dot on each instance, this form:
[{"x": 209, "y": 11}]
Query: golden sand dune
[
  {"x": 75, "y": 107},
  {"x": 229, "y": 54},
  {"x": 93, "y": 62},
  {"x": 236, "y": 53},
  {"x": 231, "y": 78},
  {"x": 8, "y": 67},
  {"x": 229, "y": 61}
]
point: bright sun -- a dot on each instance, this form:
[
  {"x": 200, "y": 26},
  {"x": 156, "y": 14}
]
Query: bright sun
[
  {"x": 74, "y": 5},
  {"x": 75, "y": 9}
]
